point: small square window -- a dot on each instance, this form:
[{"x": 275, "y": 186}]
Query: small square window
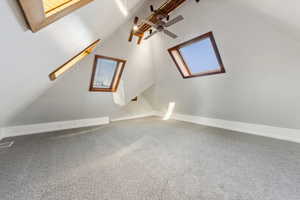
[
  {"x": 106, "y": 74},
  {"x": 198, "y": 57}
]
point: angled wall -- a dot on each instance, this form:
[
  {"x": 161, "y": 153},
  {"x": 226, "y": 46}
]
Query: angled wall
[
  {"x": 69, "y": 98},
  {"x": 27, "y": 59},
  {"x": 261, "y": 57}
]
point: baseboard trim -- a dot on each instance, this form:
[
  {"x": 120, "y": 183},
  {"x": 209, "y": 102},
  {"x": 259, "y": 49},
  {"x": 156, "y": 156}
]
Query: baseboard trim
[
  {"x": 292, "y": 135},
  {"x": 150, "y": 114},
  {"x": 52, "y": 126}
]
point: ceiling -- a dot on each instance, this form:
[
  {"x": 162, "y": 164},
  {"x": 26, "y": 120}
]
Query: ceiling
[
  {"x": 28, "y": 58},
  {"x": 284, "y": 14}
]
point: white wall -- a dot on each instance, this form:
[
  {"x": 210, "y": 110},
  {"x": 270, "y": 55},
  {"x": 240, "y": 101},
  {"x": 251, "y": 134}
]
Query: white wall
[
  {"x": 27, "y": 58},
  {"x": 260, "y": 55},
  {"x": 69, "y": 97},
  {"x": 261, "y": 84}
]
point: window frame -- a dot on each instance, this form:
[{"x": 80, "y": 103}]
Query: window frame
[
  {"x": 116, "y": 78},
  {"x": 190, "y": 42}
]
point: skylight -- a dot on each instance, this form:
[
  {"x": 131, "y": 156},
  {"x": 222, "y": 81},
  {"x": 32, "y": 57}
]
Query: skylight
[
  {"x": 198, "y": 57},
  {"x": 53, "y": 6},
  {"x": 69, "y": 64},
  {"x": 41, "y": 13},
  {"x": 106, "y": 74}
]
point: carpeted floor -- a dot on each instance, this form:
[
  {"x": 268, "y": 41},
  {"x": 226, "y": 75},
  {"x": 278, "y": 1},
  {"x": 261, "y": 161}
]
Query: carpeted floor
[{"x": 149, "y": 159}]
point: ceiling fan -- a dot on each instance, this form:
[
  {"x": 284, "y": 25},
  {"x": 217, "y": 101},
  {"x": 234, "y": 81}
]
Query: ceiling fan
[
  {"x": 158, "y": 21},
  {"x": 161, "y": 26}
]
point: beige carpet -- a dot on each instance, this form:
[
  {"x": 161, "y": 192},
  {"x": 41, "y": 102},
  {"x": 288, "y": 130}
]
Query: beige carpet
[{"x": 149, "y": 159}]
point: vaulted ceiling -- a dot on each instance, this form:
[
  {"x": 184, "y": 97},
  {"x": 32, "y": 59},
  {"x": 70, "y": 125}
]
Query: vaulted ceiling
[
  {"x": 284, "y": 14},
  {"x": 27, "y": 58}
]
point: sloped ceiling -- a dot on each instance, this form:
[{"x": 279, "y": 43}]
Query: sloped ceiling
[
  {"x": 261, "y": 59},
  {"x": 27, "y": 58},
  {"x": 69, "y": 97},
  {"x": 285, "y": 11},
  {"x": 284, "y": 14}
]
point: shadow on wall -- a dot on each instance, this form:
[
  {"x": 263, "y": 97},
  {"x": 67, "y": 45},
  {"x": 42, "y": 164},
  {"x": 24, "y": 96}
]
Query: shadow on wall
[
  {"x": 23, "y": 115},
  {"x": 18, "y": 14}
]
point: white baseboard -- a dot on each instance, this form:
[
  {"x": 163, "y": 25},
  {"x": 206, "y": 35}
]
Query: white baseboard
[
  {"x": 150, "y": 114},
  {"x": 287, "y": 134},
  {"x": 52, "y": 126}
]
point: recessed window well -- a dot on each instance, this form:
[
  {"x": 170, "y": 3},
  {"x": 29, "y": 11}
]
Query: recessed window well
[
  {"x": 106, "y": 74},
  {"x": 71, "y": 63},
  {"x": 55, "y": 5},
  {"x": 198, "y": 57},
  {"x": 41, "y": 13}
]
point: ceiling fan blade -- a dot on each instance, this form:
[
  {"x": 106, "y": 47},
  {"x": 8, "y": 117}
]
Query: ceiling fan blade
[
  {"x": 161, "y": 23},
  {"x": 153, "y": 33},
  {"x": 174, "y": 21},
  {"x": 169, "y": 33}
]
